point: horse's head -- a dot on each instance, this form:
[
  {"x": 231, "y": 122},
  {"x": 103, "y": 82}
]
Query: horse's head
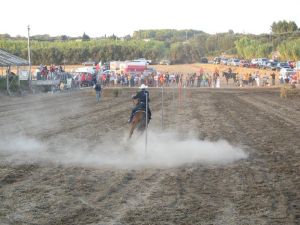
[{"x": 135, "y": 101}]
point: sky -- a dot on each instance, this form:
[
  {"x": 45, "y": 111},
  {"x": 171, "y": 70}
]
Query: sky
[{"x": 97, "y": 18}]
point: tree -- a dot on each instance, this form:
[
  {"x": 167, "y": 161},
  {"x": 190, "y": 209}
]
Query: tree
[
  {"x": 284, "y": 26},
  {"x": 113, "y": 37},
  {"x": 85, "y": 37},
  {"x": 4, "y": 36},
  {"x": 127, "y": 37},
  {"x": 64, "y": 37},
  {"x": 290, "y": 50}
]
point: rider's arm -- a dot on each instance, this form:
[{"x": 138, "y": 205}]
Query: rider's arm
[
  {"x": 135, "y": 96},
  {"x": 138, "y": 95}
]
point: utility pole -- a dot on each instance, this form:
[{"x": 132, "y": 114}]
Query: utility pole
[
  {"x": 186, "y": 35},
  {"x": 162, "y": 107},
  {"x": 146, "y": 133},
  {"x": 29, "y": 60}
]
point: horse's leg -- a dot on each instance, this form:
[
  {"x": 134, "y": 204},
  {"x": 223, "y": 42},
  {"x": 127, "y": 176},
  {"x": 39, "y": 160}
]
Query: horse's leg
[
  {"x": 135, "y": 121},
  {"x": 137, "y": 117},
  {"x": 133, "y": 125}
]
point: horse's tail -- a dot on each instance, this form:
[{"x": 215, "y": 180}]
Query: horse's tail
[
  {"x": 138, "y": 121},
  {"x": 142, "y": 122}
]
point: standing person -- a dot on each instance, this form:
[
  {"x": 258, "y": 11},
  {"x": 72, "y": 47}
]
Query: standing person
[
  {"x": 250, "y": 79},
  {"x": 177, "y": 78},
  {"x": 257, "y": 78},
  {"x": 98, "y": 91},
  {"x": 209, "y": 80},
  {"x": 204, "y": 79},
  {"x": 273, "y": 78},
  {"x": 141, "y": 96},
  {"x": 218, "y": 81}
]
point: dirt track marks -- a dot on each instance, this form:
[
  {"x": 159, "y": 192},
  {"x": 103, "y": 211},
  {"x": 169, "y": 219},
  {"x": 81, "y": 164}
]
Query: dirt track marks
[
  {"x": 262, "y": 189},
  {"x": 267, "y": 142},
  {"x": 271, "y": 107}
]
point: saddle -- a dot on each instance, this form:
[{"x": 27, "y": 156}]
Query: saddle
[{"x": 140, "y": 110}]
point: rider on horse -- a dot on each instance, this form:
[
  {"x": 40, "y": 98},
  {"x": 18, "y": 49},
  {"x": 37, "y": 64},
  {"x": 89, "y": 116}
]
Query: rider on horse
[{"x": 141, "y": 96}]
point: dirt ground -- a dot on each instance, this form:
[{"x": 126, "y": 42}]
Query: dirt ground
[
  {"x": 210, "y": 68},
  {"x": 219, "y": 156}
]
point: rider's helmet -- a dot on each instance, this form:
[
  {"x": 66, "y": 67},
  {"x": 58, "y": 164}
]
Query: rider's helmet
[{"x": 143, "y": 87}]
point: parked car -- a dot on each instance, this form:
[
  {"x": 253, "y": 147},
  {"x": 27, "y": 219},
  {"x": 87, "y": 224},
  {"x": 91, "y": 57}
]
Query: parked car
[
  {"x": 105, "y": 66},
  {"x": 244, "y": 63},
  {"x": 286, "y": 73},
  {"x": 89, "y": 63},
  {"x": 281, "y": 65},
  {"x": 272, "y": 65},
  {"x": 149, "y": 71},
  {"x": 204, "y": 60},
  {"x": 147, "y": 61},
  {"x": 164, "y": 62},
  {"x": 234, "y": 62},
  {"x": 224, "y": 61},
  {"x": 254, "y": 63},
  {"x": 292, "y": 64},
  {"x": 217, "y": 60},
  {"x": 262, "y": 62},
  {"x": 297, "y": 65}
]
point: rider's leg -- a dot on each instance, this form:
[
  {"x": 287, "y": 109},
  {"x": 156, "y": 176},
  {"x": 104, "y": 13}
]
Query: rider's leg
[
  {"x": 133, "y": 112},
  {"x": 149, "y": 113}
]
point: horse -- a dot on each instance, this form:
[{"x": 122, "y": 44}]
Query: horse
[
  {"x": 138, "y": 121},
  {"x": 229, "y": 75}
]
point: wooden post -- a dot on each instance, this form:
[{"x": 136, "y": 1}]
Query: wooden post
[{"x": 7, "y": 81}]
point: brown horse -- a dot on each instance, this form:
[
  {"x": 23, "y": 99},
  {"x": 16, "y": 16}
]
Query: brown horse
[
  {"x": 138, "y": 121},
  {"x": 229, "y": 75}
]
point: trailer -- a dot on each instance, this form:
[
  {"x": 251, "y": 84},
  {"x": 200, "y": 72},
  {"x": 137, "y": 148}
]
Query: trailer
[
  {"x": 133, "y": 66},
  {"x": 115, "y": 65}
]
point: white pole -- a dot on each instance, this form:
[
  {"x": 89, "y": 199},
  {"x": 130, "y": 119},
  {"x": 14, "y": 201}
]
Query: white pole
[
  {"x": 146, "y": 134},
  {"x": 162, "y": 107},
  {"x": 29, "y": 59},
  {"x": 174, "y": 106}
]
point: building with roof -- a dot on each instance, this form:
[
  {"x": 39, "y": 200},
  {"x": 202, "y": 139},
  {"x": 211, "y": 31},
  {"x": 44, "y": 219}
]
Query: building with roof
[{"x": 8, "y": 61}]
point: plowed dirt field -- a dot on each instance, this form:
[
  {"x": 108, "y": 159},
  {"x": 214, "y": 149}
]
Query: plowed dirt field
[{"x": 219, "y": 156}]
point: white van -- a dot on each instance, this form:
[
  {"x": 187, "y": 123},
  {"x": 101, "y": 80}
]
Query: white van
[
  {"x": 297, "y": 66},
  {"x": 286, "y": 73}
]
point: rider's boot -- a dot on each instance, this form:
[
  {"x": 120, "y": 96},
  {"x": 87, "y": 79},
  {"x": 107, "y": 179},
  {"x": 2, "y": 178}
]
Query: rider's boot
[{"x": 130, "y": 119}]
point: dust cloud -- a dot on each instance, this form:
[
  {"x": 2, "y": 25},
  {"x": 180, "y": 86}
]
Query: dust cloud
[{"x": 163, "y": 150}]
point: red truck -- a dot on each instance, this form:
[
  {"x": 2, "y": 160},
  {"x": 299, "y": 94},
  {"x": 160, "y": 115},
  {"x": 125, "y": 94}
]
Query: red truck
[{"x": 133, "y": 66}]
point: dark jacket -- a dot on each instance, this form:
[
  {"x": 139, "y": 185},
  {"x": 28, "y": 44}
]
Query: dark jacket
[
  {"x": 141, "y": 95},
  {"x": 98, "y": 87}
]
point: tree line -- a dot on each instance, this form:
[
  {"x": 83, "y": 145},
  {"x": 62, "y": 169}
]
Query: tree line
[{"x": 180, "y": 46}]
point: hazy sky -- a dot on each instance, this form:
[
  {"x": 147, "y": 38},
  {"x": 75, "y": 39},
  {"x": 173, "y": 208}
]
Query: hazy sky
[{"x": 120, "y": 17}]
